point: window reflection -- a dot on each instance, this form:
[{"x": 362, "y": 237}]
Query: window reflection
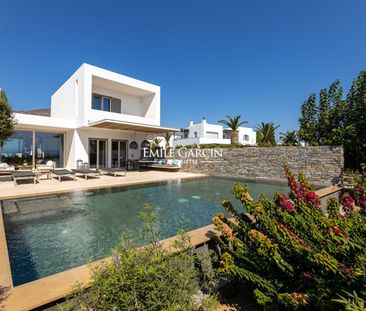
[
  {"x": 17, "y": 150},
  {"x": 50, "y": 147}
]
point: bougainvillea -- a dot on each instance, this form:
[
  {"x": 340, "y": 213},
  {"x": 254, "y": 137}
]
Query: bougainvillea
[{"x": 289, "y": 251}]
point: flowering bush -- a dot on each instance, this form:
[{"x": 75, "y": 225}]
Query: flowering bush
[{"x": 291, "y": 253}]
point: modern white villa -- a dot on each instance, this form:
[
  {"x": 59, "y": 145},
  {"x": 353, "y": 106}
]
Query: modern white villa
[
  {"x": 206, "y": 133},
  {"x": 97, "y": 116}
]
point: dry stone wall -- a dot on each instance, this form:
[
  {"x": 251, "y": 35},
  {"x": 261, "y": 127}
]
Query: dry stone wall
[{"x": 322, "y": 165}]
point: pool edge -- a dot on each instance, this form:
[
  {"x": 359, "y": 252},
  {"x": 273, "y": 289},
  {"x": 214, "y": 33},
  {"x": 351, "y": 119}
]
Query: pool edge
[{"x": 51, "y": 288}]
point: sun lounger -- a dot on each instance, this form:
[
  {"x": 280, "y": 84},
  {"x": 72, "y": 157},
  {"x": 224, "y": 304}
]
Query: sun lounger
[
  {"x": 22, "y": 175},
  {"x": 115, "y": 171},
  {"x": 45, "y": 168},
  {"x": 87, "y": 172},
  {"x": 62, "y": 172},
  {"x": 6, "y": 170}
]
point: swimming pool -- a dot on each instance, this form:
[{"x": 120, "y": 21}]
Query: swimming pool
[{"x": 53, "y": 233}]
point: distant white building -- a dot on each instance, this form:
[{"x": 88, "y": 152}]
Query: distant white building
[{"x": 206, "y": 133}]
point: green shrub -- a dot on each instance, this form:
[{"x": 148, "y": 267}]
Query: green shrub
[
  {"x": 293, "y": 255},
  {"x": 353, "y": 301},
  {"x": 145, "y": 278}
]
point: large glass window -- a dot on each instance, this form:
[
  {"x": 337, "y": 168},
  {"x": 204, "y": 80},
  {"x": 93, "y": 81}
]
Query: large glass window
[
  {"x": 49, "y": 147},
  {"x": 106, "y": 103},
  {"x": 18, "y": 149},
  {"x": 97, "y": 102}
]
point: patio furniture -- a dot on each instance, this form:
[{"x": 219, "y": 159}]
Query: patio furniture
[
  {"x": 144, "y": 163},
  {"x": 24, "y": 167},
  {"x": 45, "y": 168},
  {"x": 131, "y": 165},
  {"x": 168, "y": 165},
  {"x": 6, "y": 169},
  {"x": 115, "y": 171},
  {"x": 86, "y": 172},
  {"x": 63, "y": 172},
  {"x": 23, "y": 175}
]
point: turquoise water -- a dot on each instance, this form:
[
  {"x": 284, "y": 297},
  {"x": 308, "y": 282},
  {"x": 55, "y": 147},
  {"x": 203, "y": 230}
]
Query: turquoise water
[{"x": 50, "y": 234}]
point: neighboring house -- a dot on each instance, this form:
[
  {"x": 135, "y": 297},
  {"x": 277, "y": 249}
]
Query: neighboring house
[
  {"x": 206, "y": 133},
  {"x": 97, "y": 116}
]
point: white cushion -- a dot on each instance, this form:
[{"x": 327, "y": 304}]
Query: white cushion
[
  {"x": 177, "y": 162},
  {"x": 50, "y": 163},
  {"x": 4, "y": 165},
  {"x": 169, "y": 162}
]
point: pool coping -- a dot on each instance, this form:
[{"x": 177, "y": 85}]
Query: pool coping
[
  {"x": 51, "y": 288},
  {"x": 114, "y": 184}
]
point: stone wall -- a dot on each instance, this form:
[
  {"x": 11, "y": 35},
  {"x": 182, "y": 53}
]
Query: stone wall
[{"x": 322, "y": 165}]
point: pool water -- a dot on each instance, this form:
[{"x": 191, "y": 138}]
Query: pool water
[{"x": 50, "y": 234}]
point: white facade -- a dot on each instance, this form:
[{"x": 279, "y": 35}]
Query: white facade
[
  {"x": 95, "y": 108},
  {"x": 140, "y": 101},
  {"x": 206, "y": 133}
]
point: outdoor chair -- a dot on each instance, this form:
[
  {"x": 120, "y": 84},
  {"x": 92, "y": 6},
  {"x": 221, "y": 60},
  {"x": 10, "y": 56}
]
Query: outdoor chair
[
  {"x": 6, "y": 169},
  {"x": 23, "y": 175},
  {"x": 45, "y": 168},
  {"x": 63, "y": 172},
  {"x": 87, "y": 172},
  {"x": 115, "y": 171}
]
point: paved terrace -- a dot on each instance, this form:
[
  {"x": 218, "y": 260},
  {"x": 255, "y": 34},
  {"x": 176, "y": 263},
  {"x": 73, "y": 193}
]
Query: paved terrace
[{"x": 9, "y": 191}]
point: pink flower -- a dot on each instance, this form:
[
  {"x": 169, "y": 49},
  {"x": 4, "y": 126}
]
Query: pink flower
[
  {"x": 337, "y": 230},
  {"x": 306, "y": 276},
  {"x": 345, "y": 268},
  {"x": 285, "y": 203}
]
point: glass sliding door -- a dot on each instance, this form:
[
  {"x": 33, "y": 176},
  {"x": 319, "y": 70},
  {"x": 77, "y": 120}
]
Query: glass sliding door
[
  {"x": 97, "y": 153},
  {"x": 119, "y": 153},
  {"x": 18, "y": 149},
  {"x": 49, "y": 147},
  {"x": 102, "y": 153}
]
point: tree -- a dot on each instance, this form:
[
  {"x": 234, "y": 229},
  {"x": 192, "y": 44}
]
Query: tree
[
  {"x": 155, "y": 144},
  {"x": 337, "y": 114},
  {"x": 338, "y": 122},
  {"x": 266, "y": 134},
  {"x": 308, "y": 120},
  {"x": 167, "y": 136},
  {"x": 323, "y": 118},
  {"x": 355, "y": 129},
  {"x": 233, "y": 123},
  {"x": 7, "y": 121},
  {"x": 289, "y": 138}
]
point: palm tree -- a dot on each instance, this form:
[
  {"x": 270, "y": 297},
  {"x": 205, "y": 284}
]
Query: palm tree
[
  {"x": 266, "y": 134},
  {"x": 289, "y": 138},
  {"x": 233, "y": 123},
  {"x": 155, "y": 144},
  {"x": 167, "y": 136}
]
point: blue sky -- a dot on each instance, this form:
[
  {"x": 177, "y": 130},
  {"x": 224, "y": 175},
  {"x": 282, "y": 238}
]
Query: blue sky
[{"x": 260, "y": 59}]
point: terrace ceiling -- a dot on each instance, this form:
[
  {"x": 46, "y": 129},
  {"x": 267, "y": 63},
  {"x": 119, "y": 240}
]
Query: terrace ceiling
[{"x": 133, "y": 127}]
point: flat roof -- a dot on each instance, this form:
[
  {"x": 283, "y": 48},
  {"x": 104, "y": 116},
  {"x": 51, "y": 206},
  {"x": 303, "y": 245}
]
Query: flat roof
[
  {"x": 130, "y": 126},
  {"x": 45, "y": 112}
]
